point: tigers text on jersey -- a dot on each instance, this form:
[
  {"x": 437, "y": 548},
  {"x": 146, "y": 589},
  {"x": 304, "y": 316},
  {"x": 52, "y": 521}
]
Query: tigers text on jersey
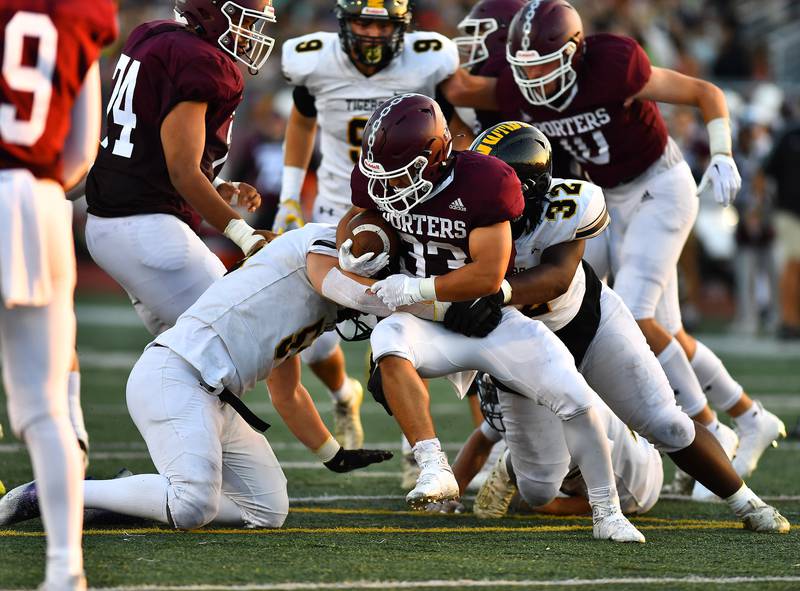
[
  {"x": 254, "y": 318},
  {"x": 46, "y": 49},
  {"x": 434, "y": 236},
  {"x": 162, "y": 64},
  {"x": 345, "y": 98},
  {"x": 576, "y": 211}
]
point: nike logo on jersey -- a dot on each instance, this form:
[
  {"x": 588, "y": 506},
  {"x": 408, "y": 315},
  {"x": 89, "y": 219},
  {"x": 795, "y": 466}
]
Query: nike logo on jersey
[{"x": 458, "y": 205}]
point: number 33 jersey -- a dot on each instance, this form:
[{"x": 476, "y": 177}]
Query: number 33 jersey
[
  {"x": 46, "y": 49},
  {"x": 575, "y": 210},
  {"x": 344, "y": 98},
  {"x": 162, "y": 64}
]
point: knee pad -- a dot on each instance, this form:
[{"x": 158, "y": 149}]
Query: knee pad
[
  {"x": 193, "y": 498},
  {"x": 671, "y": 431},
  {"x": 537, "y": 493},
  {"x": 720, "y": 388},
  {"x": 323, "y": 347},
  {"x": 640, "y": 293}
]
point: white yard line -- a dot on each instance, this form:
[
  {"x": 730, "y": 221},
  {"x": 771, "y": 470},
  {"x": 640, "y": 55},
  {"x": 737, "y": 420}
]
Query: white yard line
[{"x": 464, "y": 584}]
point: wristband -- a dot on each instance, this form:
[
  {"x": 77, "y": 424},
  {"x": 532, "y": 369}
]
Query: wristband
[
  {"x": 292, "y": 183},
  {"x": 719, "y": 136},
  {"x": 427, "y": 288},
  {"x": 242, "y": 234},
  {"x": 505, "y": 287},
  {"x": 327, "y": 450},
  {"x": 218, "y": 181}
]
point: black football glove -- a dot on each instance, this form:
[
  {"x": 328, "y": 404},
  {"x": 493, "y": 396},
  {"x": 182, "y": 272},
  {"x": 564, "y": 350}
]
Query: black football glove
[
  {"x": 476, "y": 318},
  {"x": 346, "y": 460}
]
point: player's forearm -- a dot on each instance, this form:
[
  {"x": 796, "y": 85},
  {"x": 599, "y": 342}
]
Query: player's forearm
[
  {"x": 294, "y": 404},
  {"x": 473, "y": 280},
  {"x": 565, "y": 506},
  {"x": 299, "y": 143},
  {"x": 471, "y": 458},
  {"x": 465, "y": 90},
  {"x": 80, "y": 147},
  {"x": 539, "y": 285},
  {"x": 711, "y": 101},
  {"x": 198, "y": 192}
]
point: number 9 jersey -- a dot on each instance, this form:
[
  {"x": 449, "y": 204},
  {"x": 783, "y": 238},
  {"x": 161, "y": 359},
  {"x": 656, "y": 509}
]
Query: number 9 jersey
[
  {"x": 46, "y": 49},
  {"x": 161, "y": 65},
  {"x": 342, "y": 98}
]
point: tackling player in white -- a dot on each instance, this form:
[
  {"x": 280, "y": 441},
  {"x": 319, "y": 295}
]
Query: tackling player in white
[{"x": 339, "y": 79}]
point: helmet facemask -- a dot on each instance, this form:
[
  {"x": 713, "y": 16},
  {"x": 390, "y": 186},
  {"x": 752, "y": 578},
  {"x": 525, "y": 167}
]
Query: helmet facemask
[
  {"x": 533, "y": 89},
  {"x": 244, "y": 39},
  {"x": 397, "y": 200},
  {"x": 371, "y": 51},
  {"x": 490, "y": 402},
  {"x": 471, "y": 44}
]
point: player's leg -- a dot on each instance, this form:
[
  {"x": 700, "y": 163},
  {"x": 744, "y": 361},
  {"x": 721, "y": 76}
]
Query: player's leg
[
  {"x": 162, "y": 264},
  {"x": 326, "y": 359},
  {"x": 75, "y": 408},
  {"x": 622, "y": 369},
  {"x": 756, "y": 427},
  {"x": 37, "y": 344}
]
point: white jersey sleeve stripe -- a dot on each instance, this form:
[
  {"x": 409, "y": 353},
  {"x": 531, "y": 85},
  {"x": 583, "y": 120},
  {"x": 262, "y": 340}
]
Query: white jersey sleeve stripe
[{"x": 594, "y": 228}]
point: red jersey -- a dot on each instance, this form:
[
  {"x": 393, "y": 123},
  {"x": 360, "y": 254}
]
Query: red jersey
[
  {"x": 46, "y": 48},
  {"x": 612, "y": 143},
  {"x": 482, "y": 191},
  {"x": 162, "y": 64}
]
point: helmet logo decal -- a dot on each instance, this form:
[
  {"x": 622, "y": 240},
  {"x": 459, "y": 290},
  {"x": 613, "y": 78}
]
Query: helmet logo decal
[
  {"x": 372, "y": 11},
  {"x": 497, "y": 133},
  {"x": 528, "y": 24}
]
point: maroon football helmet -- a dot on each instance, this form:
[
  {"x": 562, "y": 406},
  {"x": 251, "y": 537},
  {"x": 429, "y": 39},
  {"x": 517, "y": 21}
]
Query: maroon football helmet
[
  {"x": 236, "y": 25},
  {"x": 405, "y": 149},
  {"x": 545, "y": 33},
  {"x": 485, "y": 30}
]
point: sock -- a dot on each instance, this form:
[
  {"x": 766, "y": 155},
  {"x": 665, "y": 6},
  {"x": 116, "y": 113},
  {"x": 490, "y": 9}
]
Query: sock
[
  {"x": 426, "y": 448},
  {"x": 58, "y": 470},
  {"x": 720, "y": 388},
  {"x": 143, "y": 495},
  {"x": 743, "y": 500},
  {"x": 588, "y": 445},
  {"x": 713, "y": 426},
  {"x": 343, "y": 394},
  {"x": 749, "y": 420},
  {"x": 75, "y": 410},
  {"x": 682, "y": 379}
]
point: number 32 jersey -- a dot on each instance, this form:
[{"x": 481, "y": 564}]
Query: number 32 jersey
[
  {"x": 576, "y": 211},
  {"x": 345, "y": 98},
  {"x": 46, "y": 49},
  {"x": 162, "y": 64}
]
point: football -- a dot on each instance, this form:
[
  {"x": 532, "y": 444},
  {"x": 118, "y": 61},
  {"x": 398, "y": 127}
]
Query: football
[{"x": 371, "y": 233}]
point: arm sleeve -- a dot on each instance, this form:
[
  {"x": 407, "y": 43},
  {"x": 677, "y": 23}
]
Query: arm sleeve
[{"x": 304, "y": 101}]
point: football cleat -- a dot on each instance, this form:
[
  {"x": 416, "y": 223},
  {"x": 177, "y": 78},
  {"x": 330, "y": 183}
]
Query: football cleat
[
  {"x": 753, "y": 442},
  {"x": 2, "y": 486},
  {"x": 410, "y": 471},
  {"x": 765, "y": 519},
  {"x": 682, "y": 484},
  {"x": 436, "y": 482},
  {"x": 608, "y": 523},
  {"x": 495, "y": 495},
  {"x": 730, "y": 442},
  {"x": 20, "y": 504},
  {"x": 347, "y": 418},
  {"x": 74, "y": 583}
]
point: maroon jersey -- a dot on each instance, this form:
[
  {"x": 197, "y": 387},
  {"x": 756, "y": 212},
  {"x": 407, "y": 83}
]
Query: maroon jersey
[
  {"x": 483, "y": 191},
  {"x": 46, "y": 48},
  {"x": 162, "y": 64},
  {"x": 613, "y": 143}
]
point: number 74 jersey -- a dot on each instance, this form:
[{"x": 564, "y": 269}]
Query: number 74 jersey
[
  {"x": 575, "y": 210},
  {"x": 46, "y": 49},
  {"x": 345, "y": 98}
]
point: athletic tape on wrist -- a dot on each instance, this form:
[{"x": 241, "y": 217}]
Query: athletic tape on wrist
[
  {"x": 505, "y": 287},
  {"x": 327, "y": 450},
  {"x": 719, "y": 136},
  {"x": 242, "y": 234},
  {"x": 292, "y": 183},
  {"x": 427, "y": 288}
]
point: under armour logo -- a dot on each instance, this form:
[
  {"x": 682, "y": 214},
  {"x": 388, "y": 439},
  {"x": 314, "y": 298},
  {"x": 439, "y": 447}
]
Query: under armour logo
[{"x": 324, "y": 210}]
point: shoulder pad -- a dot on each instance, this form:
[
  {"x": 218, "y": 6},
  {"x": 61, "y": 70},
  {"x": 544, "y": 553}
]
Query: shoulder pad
[
  {"x": 301, "y": 56},
  {"x": 589, "y": 202}
]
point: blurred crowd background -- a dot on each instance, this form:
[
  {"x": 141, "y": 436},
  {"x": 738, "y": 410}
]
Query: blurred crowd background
[{"x": 741, "y": 268}]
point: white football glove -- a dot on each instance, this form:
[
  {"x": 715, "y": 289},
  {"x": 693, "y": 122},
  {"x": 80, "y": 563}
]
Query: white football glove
[
  {"x": 289, "y": 217},
  {"x": 723, "y": 178},
  {"x": 366, "y": 265},
  {"x": 398, "y": 290}
]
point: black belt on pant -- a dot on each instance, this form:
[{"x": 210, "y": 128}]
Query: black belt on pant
[{"x": 234, "y": 401}]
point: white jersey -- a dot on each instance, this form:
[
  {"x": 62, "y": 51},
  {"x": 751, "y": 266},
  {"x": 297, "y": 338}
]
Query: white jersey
[
  {"x": 576, "y": 211},
  {"x": 345, "y": 98},
  {"x": 251, "y": 320}
]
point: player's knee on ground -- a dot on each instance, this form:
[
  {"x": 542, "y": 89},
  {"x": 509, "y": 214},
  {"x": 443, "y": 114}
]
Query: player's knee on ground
[
  {"x": 535, "y": 492},
  {"x": 670, "y": 431},
  {"x": 269, "y": 516},
  {"x": 323, "y": 347},
  {"x": 193, "y": 498}
]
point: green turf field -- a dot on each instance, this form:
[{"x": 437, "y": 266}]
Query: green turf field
[{"x": 353, "y": 531}]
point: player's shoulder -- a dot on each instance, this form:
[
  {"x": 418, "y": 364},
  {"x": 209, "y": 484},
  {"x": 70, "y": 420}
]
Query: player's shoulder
[
  {"x": 301, "y": 56},
  {"x": 602, "y": 47},
  {"x": 471, "y": 165},
  {"x": 581, "y": 207},
  {"x": 431, "y": 51},
  {"x": 614, "y": 59},
  {"x": 97, "y": 19},
  {"x": 478, "y": 177}
]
